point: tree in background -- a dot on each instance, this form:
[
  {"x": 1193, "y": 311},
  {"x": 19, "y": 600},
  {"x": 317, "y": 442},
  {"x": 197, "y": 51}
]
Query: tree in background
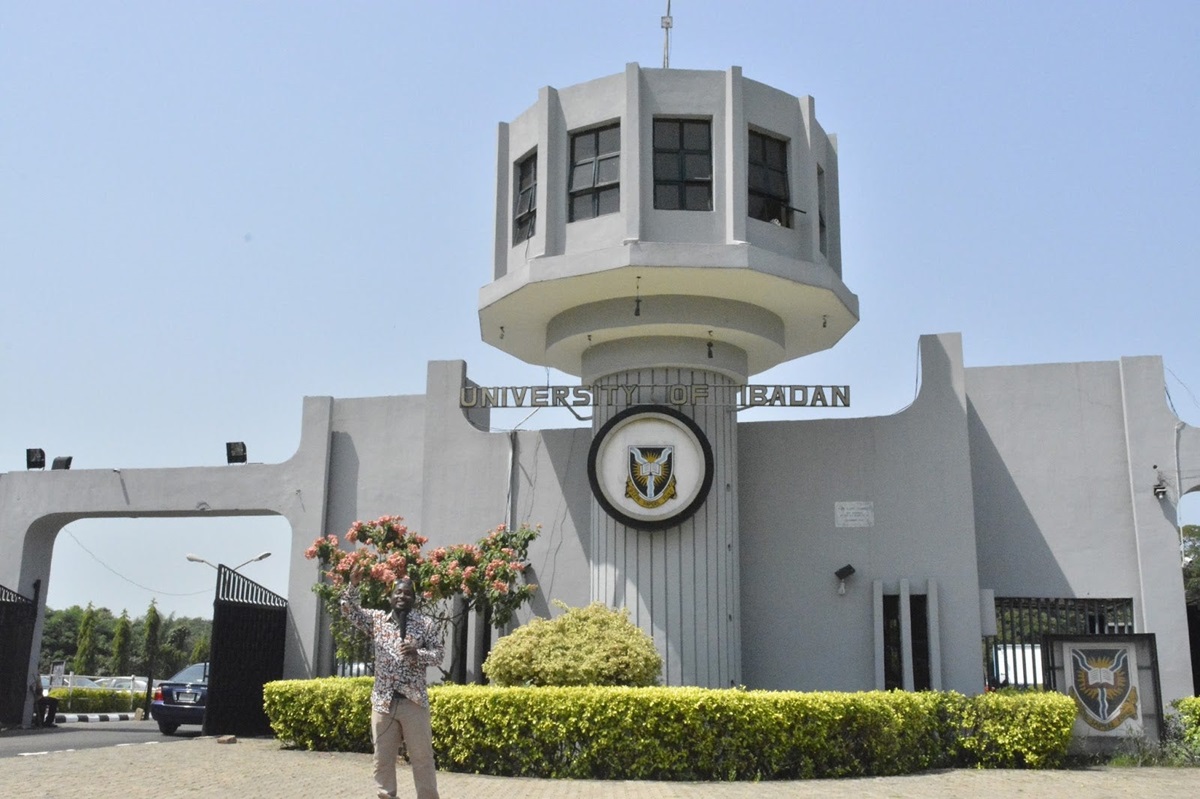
[
  {"x": 59, "y": 635},
  {"x": 150, "y": 644},
  {"x": 120, "y": 659},
  {"x": 200, "y": 651},
  {"x": 85, "y": 643},
  {"x": 1191, "y": 563}
]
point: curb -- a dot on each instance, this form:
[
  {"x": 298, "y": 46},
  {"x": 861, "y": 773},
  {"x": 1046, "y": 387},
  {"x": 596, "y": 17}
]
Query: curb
[{"x": 63, "y": 718}]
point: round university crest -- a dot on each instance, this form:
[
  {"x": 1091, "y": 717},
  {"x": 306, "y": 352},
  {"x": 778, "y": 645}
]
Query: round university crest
[{"x": 650, "y": 467}]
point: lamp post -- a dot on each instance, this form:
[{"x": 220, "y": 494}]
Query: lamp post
[{"x": 260, "y": 556}]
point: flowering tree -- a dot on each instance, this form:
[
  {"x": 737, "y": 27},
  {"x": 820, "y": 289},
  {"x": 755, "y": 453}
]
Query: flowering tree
[{"x": 486, "y": 574}]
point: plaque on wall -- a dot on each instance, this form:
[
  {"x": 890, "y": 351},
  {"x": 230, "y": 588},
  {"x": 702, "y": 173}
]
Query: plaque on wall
[{"x": 650, "y": 467}]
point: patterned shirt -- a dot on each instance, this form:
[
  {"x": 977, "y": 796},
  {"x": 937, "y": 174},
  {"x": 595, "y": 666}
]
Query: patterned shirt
[{"x": 394, "y": 673}]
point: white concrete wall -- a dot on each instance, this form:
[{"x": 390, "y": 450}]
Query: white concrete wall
[
  {"x": 1064, "y": 458},
  {"x": 798, "y": 632}
]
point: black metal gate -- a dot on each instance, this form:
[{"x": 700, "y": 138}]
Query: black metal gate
[
  {"x": 249, "y": 629},
  {"x": 17, "y": 617},
  {"x": 1014, "y": 655},
  {"x": 1193, "y": 618}
]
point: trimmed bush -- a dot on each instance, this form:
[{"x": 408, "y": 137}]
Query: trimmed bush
[
  {"x": 592, "y": 645},
  {"x": 1189, "y": 715},
  {"x": 95, "y": 700},
  {"x": 1026, "y": 729},
  {"x": 691, "y": 733},
  {"x": 332, "y": 714}
]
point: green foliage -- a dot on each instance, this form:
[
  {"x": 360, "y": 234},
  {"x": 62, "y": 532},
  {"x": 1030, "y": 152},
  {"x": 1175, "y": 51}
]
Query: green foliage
[
  {"x": 593, "y": 645},
  {"x": 1191, "y": 563},
  {"x": 151, "y": 631},
  {"x": 119, "y": 662},
  {"x": 1026, "y": 729},
  {"x": 85, "y": 643},
  {"x": 691, "y": 734},
  {"x": 94, "y": 700},
  {"x": 1189, "y": 716},
  {"x": 327, "y": 715},
  {"x": 200, "y": 651}
]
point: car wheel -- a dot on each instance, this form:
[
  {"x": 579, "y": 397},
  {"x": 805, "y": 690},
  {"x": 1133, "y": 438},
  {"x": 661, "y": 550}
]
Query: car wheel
[{"x": 167, "y": 728}]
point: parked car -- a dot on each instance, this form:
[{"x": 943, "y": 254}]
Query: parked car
[
  {"x": 71, "y": 680},
  {"x": 181, "y": 699},
  {"x": 136, "y": 684}
]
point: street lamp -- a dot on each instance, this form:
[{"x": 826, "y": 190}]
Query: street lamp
[{"x": 260, "y": 556}]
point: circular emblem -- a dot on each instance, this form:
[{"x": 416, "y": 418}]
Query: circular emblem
[{"x": 650, "y": 467}]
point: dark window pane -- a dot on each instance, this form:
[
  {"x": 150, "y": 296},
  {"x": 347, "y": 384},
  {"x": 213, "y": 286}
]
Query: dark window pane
[
  {"x": 581, "y": 176},
  {"x": 583, "y": 146},
  {"x": 610, "y": 140},
  {"x": 697, "y": 167},
  {"x": 666, "y": 135},
  {"x": 666, "y": 197},
  {"x": 759, "y": 178},
  {"x": 778, "y": 185},
  {"x": 698, "y": 197},
  {"x": 666, "y": 166},
  {"x": 756, "y": 207},
  {"x": 523, "y": 228},
  {"x": 756, "y": 148},
  {"x": 776, "y": 154},
  {"x": 609, "y": 201},
  {"x": 581, "y": 207},
  {"x": 695, "y": 136},
  {"x": 608, "y": 170}
]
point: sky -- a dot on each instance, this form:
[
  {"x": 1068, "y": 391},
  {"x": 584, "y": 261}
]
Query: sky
[{"x": 209, "y": 211}]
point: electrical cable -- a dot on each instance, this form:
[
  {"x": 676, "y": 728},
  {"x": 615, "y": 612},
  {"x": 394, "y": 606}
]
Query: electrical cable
[{"x": 126, "y": 579}]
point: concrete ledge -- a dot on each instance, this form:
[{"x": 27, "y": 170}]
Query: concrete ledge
[{"x": 63, "y": 718}]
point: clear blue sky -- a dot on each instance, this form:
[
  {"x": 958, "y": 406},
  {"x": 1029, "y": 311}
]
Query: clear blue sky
[{"x": 210, "y": 210}]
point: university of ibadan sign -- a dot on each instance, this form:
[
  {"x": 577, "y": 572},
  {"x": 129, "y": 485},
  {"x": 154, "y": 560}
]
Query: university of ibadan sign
[{"x": 744, "y": 396}]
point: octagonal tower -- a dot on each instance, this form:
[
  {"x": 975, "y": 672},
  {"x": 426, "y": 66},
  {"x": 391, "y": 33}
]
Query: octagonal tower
[{"x": 665, "y": 227}]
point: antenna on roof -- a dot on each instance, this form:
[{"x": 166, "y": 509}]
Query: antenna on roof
[{"x": 666, "y": 25}]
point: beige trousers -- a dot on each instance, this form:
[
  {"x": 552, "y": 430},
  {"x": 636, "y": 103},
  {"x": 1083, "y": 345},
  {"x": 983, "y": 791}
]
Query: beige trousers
[{"x": 407, "y": 723}]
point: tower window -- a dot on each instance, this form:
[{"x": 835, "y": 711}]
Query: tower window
[
  {"x": 769, "y": 199},
  {"x": 595, "y": 186},
  {"x": 822, "y": 216},
  {"x": 683, "y": 165},
  {"x": 525, "y": 198}
]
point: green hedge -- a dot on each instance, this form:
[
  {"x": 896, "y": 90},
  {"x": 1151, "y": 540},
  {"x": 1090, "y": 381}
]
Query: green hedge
[
  {"x": 95, "y": 700},
  {"x": 692, "y": 733},
  {"x": 1189, "y": 714}
]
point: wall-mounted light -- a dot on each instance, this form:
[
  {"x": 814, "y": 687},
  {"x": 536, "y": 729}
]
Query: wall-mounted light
[
  {"x": 1160, "y": 490},
  {"x": 62, "y": 462},
  {"x": 710, "y": 344},
  {"x": 502, "y": 332},
  {"x": 637, "y": 299},
  {"x": 841, "y": 574},
  {"x": 235, "y": 452},
  {"x": 35, "y": 459}
]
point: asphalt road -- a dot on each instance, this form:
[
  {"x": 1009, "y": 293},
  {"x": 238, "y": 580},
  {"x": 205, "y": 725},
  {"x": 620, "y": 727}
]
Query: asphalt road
[{"x": 76, "y": 736}]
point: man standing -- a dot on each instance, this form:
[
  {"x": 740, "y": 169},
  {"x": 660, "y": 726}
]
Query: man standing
[{"x": 406, "y": 643}]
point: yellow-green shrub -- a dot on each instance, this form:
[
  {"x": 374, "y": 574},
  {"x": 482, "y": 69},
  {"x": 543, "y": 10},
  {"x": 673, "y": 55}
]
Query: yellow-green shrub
[
  {"x": 332, "y": 714},
  {"x": 1028, "y": 729},
  {"x": 592, "y": 645},
  {"x": 691, "y": 733},
  {"x": 95, "y": 700},
  {"x": 1189, "y": 715}
]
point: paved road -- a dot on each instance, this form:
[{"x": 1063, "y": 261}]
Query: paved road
[{"x": 260, "y": 769}]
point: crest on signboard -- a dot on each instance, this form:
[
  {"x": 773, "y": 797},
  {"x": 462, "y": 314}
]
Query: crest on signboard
[
  {"x": 650, "y": 480},
  {"x": 1102, "y": 687}
]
